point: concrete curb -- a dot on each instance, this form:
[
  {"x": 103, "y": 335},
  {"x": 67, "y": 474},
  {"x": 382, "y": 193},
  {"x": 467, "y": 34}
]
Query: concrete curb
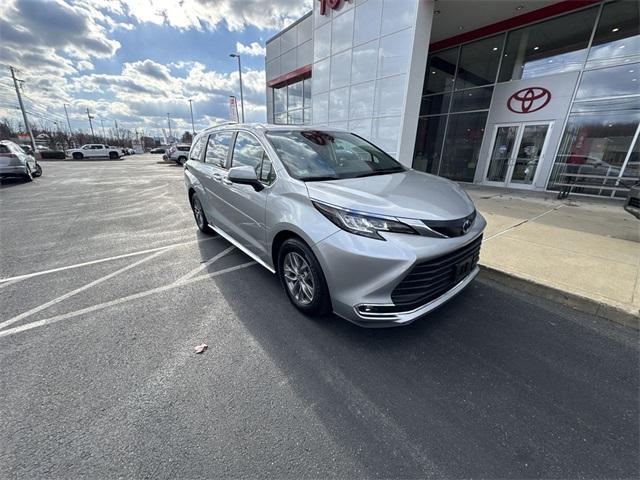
[{"x": 575, "y": 301}]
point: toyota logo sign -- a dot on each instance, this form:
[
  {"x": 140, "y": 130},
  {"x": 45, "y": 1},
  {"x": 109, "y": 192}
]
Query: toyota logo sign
[{"x": 529, "y": 100}]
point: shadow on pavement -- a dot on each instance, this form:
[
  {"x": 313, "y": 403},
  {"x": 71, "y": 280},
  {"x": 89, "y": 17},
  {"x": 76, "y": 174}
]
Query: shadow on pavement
[{"x": 489, "y": 385}]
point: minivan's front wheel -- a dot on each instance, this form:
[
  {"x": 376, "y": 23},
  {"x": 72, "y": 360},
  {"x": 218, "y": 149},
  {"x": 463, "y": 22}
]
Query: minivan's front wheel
[
  {"x": 302, "y": 278},
  {"x": 198, "y": 214}
]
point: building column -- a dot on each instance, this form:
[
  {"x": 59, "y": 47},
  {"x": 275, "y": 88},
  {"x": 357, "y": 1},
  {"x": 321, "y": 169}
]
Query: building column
[{"x": 416, "y": 76}]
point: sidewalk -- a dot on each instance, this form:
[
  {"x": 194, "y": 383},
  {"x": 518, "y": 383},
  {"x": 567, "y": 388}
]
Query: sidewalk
[{"x": 582, "y": 250}]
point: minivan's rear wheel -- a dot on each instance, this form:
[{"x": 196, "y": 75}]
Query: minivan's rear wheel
[
  {"x": 198, "y": 214},
  {"x": 38, "y": 171},
  {"x": 302, "y": 278}
]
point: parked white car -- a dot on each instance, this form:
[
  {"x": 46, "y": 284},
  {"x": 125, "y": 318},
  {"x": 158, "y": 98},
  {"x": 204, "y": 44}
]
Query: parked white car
[
  {"x": 14, "y": 162},
  {"x": 178, "y": 153},
  {"x": 94, "y": 150}
]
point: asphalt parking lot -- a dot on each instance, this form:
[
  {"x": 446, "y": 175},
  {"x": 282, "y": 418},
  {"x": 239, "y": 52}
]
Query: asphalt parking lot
[{"x": 107, "y": 286}]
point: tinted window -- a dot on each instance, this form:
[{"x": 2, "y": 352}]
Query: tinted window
[
  {"x": 320, "y": 155},
  {"x": 218, "y": 148},
  {"x": 196, "y": 149},
  {"x": 478, "y": 63}
]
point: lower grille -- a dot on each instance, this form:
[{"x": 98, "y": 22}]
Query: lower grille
[{"x": 428, "y": 280}]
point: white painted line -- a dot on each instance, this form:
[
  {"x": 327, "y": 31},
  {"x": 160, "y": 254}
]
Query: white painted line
[
  {"x": 118, "y": 301},
  {"x": 205, "y": 265},
  {"x": 101, "y": 260},
  {"x": 522, "y": 223},
  {"x": 70, "y": 294}
]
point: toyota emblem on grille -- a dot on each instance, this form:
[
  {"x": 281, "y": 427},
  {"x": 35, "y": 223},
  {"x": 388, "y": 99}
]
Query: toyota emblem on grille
[
  {"x": 529, "y": 100},
  {"x": 466, "y": 226}
]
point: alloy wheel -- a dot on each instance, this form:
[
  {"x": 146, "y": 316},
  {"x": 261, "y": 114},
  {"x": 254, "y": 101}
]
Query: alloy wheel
[
  {"x": 298, "y": 277},
  {"x": 197, "y": 213}
]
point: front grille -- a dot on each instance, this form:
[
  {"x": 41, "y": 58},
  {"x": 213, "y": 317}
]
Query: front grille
[
  {"x": 634, "y": 202},
  {"x": 430, "y": 279}
]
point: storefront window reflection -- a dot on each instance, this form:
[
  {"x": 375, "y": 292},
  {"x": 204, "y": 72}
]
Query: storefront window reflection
[
  {"x": 617, "y": 38},
  {"x": 478, "y": 63},
  {"x": 292, "y": 103},
  {"x": 429, "y": 143},
  {"x": 441, "y": 69},
  {"x": 594, "y": 147},
  {"x": 555, "y": 46},
  {"x": 462, "y": 146}
]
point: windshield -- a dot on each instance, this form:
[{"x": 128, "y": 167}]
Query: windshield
[{"x": 313, "y": 155}]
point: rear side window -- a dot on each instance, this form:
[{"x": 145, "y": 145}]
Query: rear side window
[
  {"x": 218, "y": 148},
  {"x": 196, "y": 149},
  {"x": 247, "y": 151}
]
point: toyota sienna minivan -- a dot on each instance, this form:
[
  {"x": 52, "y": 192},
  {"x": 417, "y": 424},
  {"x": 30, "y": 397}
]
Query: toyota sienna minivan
[{"x": 346, "y": 227}]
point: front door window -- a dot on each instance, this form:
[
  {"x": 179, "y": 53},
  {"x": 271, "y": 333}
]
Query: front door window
[
  {"x": 516, "y": 152},
  {"x": 529, "y": 153}
]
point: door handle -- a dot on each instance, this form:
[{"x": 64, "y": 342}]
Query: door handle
[
  {"x": 226, "y": 181},
  {"x": 217, "y": 177}
]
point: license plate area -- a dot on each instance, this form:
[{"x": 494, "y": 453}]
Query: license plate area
[{"x": 463, "y": 268}]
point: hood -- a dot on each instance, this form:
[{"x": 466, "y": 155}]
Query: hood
[{"x": 409, "y": 194}]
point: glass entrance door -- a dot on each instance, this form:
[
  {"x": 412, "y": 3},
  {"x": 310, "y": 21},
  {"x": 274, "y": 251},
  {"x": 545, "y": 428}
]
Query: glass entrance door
[{"x": 516, "y": 152}]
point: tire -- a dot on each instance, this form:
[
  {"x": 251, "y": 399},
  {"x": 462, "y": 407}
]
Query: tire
[
  {"x": 38, "y": 172},
  {"x": 199, "y": 215},
  {"x": 113, "y": 155},
  {"x": 182, "y": 160},
  {"x": 28, "y": 176},
  {"x": 77, "y": 156},
  {"x": 311, "y": 296}
]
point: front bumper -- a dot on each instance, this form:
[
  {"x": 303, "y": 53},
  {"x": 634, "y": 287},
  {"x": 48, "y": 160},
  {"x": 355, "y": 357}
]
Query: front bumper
[{"x": 362, "y": 273}]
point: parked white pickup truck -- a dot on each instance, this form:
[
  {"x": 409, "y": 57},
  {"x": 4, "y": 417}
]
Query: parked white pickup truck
[{"x": 94, "y": 150}]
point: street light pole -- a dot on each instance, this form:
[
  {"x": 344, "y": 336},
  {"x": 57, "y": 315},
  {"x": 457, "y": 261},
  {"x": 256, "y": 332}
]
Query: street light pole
[
  {"x": 91, "y": 125},
  {"x": 193, "y": 127},
  {"x": 237, "y": 55},
  {"x": 169, "y": 123},
  {"x": 104, "y": 135},
  {"x": 24, "y": 113},
  {"x": 68, "y": 123}
]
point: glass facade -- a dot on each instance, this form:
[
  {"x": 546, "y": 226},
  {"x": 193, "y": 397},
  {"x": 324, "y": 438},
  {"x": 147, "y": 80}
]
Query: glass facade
[
  {"x": 292, "y": 103},
  {"x": 598, "y": 150}
]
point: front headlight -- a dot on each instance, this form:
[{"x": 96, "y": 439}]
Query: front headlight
[{"x": 361, "y": 224}]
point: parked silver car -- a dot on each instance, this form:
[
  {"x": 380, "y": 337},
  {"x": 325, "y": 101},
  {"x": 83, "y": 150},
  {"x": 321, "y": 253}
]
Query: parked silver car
[
  {"x": 14, "y": 162},
  {"x": 345, "y": 226}
]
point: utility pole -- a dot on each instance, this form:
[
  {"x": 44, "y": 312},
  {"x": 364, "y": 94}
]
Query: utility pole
[
  {"x": 24, "y": 113},
  {"x": 68, "y": 123},
  {"x": 193, "y": 127},
  {"x": 169, "y": 122},
  {"x": 93, "y": 135},
  {"x": 117, "y": 131},
  {"x": 237, "y": 55},
  {"x": 104, "y": 135}
]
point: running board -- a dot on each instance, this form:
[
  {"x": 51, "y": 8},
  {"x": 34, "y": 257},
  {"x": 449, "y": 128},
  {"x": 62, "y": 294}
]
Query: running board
[{"x": 245, "y": 250}]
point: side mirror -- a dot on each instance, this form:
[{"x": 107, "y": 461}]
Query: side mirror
[{"x": 245, "y": 175}]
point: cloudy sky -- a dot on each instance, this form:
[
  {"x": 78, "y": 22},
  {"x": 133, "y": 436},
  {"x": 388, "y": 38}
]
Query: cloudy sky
[{"x": 135, "y": 60}]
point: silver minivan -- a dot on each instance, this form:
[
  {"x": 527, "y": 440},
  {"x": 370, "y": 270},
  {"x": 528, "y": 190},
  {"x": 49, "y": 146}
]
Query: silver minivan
[{"x": 346, "y": 227}]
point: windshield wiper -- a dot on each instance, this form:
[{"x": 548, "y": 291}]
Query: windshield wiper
[
  {"x": 380, "y": 172},
  {"x": 320, "y": 178}
]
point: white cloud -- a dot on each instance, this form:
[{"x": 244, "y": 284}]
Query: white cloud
[{"x": 254, "y": 49}]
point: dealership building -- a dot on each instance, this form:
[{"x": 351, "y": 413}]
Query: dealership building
[{"x": 540, "y": 95}]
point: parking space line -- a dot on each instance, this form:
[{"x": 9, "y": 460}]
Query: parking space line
[
  {"x": 70, "y": 294},
  {"x": 101, "y": 260},
  {"x": 205, "y": 264},
  {"x": 118, "y": 301}
]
